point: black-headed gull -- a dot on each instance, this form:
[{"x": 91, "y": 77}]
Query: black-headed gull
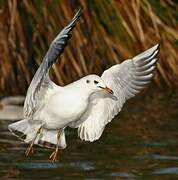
[{"x": 87, "y": 104}]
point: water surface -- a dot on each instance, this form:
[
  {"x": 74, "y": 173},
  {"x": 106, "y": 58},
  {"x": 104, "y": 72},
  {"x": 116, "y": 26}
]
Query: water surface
[{"x": 141, "y": 143}]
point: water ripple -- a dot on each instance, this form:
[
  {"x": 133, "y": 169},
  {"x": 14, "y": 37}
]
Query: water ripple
[
  {"x": 164, "y": 171},
  {"x": 48, "y": 165},
  {"x": 123, "y": 174}
]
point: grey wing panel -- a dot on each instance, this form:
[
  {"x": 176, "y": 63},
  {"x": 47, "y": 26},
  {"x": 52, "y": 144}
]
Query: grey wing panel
[{"x": 56, "y": 49}]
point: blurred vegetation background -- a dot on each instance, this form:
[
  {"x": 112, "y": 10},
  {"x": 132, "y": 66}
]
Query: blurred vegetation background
[{"x": 108, "y": 32}]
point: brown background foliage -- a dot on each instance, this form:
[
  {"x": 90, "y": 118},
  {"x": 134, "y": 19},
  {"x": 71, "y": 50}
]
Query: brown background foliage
[{"x": 108, "y": 32}]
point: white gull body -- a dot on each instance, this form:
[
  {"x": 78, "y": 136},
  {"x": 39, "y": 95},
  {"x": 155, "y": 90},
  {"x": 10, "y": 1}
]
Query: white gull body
[
  {"x": 85, "y": 104},
  {"x": 64, "y": 105}
]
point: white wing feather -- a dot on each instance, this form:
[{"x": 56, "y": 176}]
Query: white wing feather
[{"x": 126, "y": 80}]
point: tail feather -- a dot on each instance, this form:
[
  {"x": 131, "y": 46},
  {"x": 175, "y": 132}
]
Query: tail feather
[
  {"x": 26, "y": 131},
  {"x": 49, "y": 139}
]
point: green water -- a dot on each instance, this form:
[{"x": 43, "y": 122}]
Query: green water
[{"x": 141, "y": 143}]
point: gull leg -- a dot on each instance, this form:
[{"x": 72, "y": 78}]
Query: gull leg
[
  {"x": 29, "y": 149},
  {"x": 53, "y": 156}
]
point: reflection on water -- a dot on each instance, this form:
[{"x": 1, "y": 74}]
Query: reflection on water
[{"x": 141, "y": 143}]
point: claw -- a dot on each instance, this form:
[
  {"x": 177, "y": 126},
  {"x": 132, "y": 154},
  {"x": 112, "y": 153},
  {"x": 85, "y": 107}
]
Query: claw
[
  {"x": 53, "y": 156},
  {"x": 29, "y": 150}
]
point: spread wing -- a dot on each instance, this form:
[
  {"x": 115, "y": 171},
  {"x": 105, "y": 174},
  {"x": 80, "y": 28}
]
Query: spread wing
[
  {"x": 41, "y": 81},
  {"x": 126, "y": 80}
]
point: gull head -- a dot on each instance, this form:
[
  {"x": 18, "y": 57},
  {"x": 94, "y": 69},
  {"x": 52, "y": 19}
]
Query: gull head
[{"x": 95, "y": 84}]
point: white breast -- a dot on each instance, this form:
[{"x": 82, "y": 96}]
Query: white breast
[{"x": 63, "y": 107}]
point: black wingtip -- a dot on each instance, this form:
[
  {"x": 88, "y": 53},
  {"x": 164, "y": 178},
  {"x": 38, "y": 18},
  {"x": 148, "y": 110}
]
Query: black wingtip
[
  {"x": 158, "y": 47},
  {"x": 80, "y": 9},
  {"x": 76, "y": 16},
  {"x": 159, "y": 44},
  {"x": 79, "y": 12},
  {"x": 72, "y": 23}
]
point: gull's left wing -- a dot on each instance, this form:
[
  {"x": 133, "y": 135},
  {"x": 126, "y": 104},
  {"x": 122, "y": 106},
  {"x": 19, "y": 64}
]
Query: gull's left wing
[
  {"x": 41, "y": 81},
  {"x": 126, "y": 80}
]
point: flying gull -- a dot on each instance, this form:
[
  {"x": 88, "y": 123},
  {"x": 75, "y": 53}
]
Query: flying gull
[{"x": 87, "y": 104}]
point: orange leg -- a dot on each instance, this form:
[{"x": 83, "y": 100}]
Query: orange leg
[
  {"x": 29, "y": 149},
  {"x": 53, "y": 156}
]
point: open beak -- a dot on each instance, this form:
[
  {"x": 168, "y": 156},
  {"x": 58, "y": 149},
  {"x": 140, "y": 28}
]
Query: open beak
[{"x": 107, "y": 89}]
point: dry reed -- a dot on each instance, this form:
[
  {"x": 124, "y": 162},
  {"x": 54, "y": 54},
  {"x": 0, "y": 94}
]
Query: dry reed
[{"x": 108, "y": 32}]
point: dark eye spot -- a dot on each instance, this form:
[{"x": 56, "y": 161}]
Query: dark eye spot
[
  {"x": 87, "y": 81},
  {"x": 96, "y": 82}
]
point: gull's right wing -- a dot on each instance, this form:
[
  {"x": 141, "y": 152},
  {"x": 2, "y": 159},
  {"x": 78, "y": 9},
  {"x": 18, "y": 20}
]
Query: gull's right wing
[
  {"x": 41, "y": 77},
  {"x": 126, "y": 80}
]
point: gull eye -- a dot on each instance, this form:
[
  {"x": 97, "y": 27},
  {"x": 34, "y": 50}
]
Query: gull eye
[
  {"x": 87, "y": 81},
  {"x": 96, "y": 82}
]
